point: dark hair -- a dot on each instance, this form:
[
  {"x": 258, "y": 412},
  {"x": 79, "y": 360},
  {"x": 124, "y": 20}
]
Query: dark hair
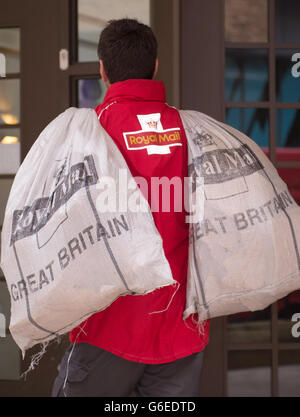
[{"x": 128, "y": 50}]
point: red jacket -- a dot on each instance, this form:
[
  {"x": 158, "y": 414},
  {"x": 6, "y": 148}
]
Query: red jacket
[{"x": 131, "y": 113}]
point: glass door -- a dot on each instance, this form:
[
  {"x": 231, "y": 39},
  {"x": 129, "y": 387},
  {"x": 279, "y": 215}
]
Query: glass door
[
  {"x": 262, "y": 94},
  {"x": 10, "y": 129},
  {"x": 29, "y": 99},
  {"x": 80, "y": 81},
  {"x": 80, "y": 78},
  {"x": 240, "y": 64}
]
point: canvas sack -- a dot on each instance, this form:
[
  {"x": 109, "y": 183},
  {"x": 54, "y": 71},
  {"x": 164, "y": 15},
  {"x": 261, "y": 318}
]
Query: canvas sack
[
  {"x": 244, "y": 253},
  {"x": 63, "y": 259}
]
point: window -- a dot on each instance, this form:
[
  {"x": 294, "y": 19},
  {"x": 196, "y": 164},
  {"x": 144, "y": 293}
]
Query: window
[
  {"x": 262, "y": 92},
  {"x": 90, "y": 17},
  {"x": 10, "y": 153},
  {"x": 93, "y": 15},
  {"x": 10, "y": 101}
]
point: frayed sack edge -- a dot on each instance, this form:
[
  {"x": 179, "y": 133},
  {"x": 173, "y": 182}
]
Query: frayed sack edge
[
  {"x": 193, "y": 312},
  {"x": 199, "y": 326},
  {"x": 36, "y": 358}
]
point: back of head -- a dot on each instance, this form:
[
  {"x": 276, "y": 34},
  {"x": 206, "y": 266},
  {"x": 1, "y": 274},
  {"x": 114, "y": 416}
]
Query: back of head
[{"x": 128, "y": 50}]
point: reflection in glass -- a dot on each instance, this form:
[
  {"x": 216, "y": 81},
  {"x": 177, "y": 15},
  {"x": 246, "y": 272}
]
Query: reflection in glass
[
  {"x": 9, "y": 101},
  {"x": 246, "y": 21},
  {"x": 250, "y": 327},
  {"x": 10, "y": 359},
  {"x": 291, "y": 176},
  {"x": 9, "y": 119},
  {"x": 247, "y": 75},
  {"x": 288, "y": 128},
  {"x": 93, "y": 15},
  {"x": 4, "y": 302},
  {"x": 287, "y": 76},
  {"x": 249, "y": 373},
  {"x": 10, "y": 150},
  {"x": 10, "y": 48},
  {"x": 1, "y": 272},
  {"x": 90, "y": 92},
  {"x": 9, "y": 140},
  {"x": 5, "y": 186},
  {"x": 287, "y": 26},
  {"x": 253, "y": 122},
  {"x": 289, "y": 373},
  {"x": 287, "y": 307}
]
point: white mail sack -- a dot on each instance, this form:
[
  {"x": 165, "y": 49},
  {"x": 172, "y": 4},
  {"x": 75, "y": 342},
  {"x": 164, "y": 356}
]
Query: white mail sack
[
  {"x": 62, "y": 256},
  {"x": 245, "y": 251}
]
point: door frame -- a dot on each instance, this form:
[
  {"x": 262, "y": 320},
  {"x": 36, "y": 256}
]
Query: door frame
[{"x": 202, "y": 89}]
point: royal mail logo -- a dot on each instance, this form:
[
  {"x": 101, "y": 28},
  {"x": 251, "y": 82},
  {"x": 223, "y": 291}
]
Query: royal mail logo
[
  {"x": 152, "y": 125},
  {"x": 38, "y": 216},
  {"x": 229, "y": 167},
  {"x": 152, "y": 136},
  {"x": 155, "y": 143}
]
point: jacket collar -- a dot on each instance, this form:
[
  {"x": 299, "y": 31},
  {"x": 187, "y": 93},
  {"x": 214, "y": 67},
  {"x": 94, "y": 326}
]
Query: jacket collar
[{"x": 135, "y": 90}]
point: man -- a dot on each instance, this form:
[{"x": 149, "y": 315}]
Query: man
[{"x": 140, "y": 343}]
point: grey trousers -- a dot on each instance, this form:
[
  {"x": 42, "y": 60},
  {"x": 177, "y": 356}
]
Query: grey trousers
[{"x": 88, "y": 371}]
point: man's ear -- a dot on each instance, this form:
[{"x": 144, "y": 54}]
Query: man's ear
[
  {"x": 103, "y": 74},
  {"x": 156, "y": 68}
]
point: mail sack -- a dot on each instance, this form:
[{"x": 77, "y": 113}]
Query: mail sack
[
  {"x": 63, "y": 255},
  {"x": 244, "y": 251}
]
